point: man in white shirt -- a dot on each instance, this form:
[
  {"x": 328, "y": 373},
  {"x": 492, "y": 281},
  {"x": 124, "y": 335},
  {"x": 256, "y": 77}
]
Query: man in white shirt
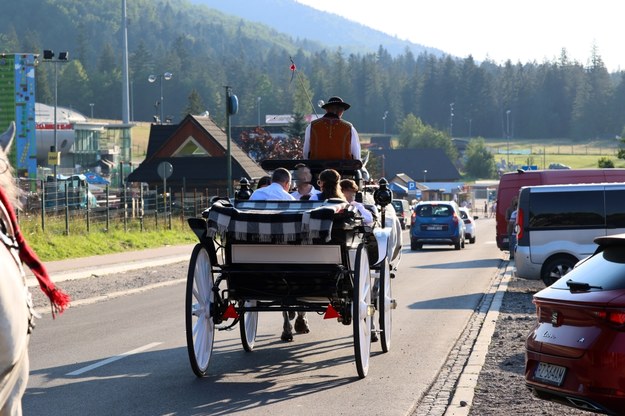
[
  {"x": 303, "y": 182},
  {"x": 278, "y": 190}
]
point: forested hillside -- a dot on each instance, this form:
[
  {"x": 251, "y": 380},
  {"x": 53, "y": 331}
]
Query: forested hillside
[{"x": 207, "y": 50}]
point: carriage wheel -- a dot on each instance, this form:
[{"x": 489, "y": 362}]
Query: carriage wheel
[
  {"x": 200, "y": 325},
  {"x": 385, "y": 307},
  {"x": 248, "y": 322},
  {"x": 362, "y": 311}
]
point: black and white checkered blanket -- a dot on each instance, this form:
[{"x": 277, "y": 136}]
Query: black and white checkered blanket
[{"x": 275, "y": 221}]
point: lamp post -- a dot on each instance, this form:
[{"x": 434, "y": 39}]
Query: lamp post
[
  {"x": 384, "y": 120},
  {"x": 164, "y": 76},
  {"x": 508, "y": 138},
  {"x": 258, "y": 100},
  {"x": 48, "y": 56},
  {"x": 451, "y": 120},
  {"x": 425, "y": 172},
  {"x": 91, "y": 105}
]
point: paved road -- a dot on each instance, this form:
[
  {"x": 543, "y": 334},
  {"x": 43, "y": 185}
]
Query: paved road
[{"x": 130, "y": 352}]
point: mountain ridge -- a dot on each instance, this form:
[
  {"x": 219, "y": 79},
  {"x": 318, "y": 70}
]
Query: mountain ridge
[{"x": 304, "y": 22}]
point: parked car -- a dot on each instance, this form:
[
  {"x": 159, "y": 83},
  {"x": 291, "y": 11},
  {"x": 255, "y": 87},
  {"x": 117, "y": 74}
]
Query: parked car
[
  {"x": 470, "y": 228},
  {"x": 402, "y": 208},
  {"x": 574, "y": 353},
  {"x": 437, "y": 222},
  {"x": 510, "y": 183},
  {"x": 556, "y": 226}
]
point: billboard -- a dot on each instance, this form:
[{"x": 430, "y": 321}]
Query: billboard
[{"x": 17, "y": 103}]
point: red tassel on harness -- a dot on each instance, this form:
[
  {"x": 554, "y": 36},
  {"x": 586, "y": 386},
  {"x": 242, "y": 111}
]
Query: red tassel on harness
[{"x": 60, "y": 300}]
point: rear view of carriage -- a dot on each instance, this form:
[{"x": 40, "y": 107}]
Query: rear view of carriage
[{"x": 290, "y": 256}]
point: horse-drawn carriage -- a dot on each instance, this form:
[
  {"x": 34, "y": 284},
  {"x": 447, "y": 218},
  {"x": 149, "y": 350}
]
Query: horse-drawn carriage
[{"x": 293, "y": 256}]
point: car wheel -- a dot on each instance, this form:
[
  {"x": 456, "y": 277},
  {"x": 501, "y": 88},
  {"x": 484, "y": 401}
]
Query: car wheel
[
  {"x": 472, "y": 240},
  {"x": 555, "y": 268},
  {"x": 458, "y": 245},
  {"x": 415, "y": 246}
]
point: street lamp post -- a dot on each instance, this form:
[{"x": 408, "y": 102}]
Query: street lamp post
[
  {"x": 258, "y": 100},
  {"x": 508, "y": 138},
  {"x": 384, "y": 120},
  {"x": 91, "y": 105},
  {"x": 164, "y": 76},
  {"x": 451, "y": 120},
  {"x": 48, "y": 56},
  {"x": 425, "y": 172}
]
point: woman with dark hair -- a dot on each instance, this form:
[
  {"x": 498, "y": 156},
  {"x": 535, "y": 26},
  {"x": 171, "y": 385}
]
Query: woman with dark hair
[
  {"x": 263, "y": 181},
  {"x": 329, "y": 183}
]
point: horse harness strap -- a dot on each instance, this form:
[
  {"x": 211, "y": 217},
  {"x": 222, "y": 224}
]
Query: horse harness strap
[{"x": 7, "y": 236}]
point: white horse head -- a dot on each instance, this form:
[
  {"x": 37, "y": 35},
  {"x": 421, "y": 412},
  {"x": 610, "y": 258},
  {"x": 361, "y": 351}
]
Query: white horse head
[{"x": 363, "y": 170}]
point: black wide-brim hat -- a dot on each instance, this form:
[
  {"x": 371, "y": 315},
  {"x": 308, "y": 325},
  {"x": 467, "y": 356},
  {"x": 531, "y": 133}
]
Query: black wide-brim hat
[{"x": 336, "y": 101}]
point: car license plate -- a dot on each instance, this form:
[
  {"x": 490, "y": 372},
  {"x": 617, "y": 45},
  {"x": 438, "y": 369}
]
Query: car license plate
[
  {"x": 549, "y": 373},
  {"x": 435, "y": 227}
]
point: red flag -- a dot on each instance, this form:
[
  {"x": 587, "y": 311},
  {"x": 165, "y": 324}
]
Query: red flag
[{"x": 293, "y": 67}]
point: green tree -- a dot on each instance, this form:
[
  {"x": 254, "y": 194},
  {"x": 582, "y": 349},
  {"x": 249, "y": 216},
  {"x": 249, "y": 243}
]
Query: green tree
[
  {"x": 413, "y": 133},
  {"x": 605, "y": 162},
  {"x": 195, "y": 104},
  {"x": 480, "y": 161}
]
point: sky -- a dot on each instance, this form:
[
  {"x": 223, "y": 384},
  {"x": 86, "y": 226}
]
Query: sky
[{"x": 522, "y": 31}]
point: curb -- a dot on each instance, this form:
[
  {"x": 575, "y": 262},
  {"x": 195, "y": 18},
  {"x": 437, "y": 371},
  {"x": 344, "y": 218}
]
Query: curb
[{"x": 460, "y": 404}]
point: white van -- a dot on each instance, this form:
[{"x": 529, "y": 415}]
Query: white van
[{"x": 556, "y": 225}]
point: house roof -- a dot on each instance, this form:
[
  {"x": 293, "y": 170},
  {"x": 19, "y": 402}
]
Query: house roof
[
  {"x": 197, "y": 150},
  {"x": 413, "y": 162}
]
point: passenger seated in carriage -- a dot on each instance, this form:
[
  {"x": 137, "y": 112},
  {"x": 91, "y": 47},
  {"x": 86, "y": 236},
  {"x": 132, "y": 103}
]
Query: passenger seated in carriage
[
  {"x": 278, "y": 190},
  {"x": 303, "y": 182},
  {"x": 331, "y": 137},
  {"x": 329, "y": 183},
  {"x": 349, "y": 189}
]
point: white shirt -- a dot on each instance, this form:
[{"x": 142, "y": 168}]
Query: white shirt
[
  {"x": 355, "y": 146},
  {"x": 273, "y": 192},
  {"x": 313, "y": 191}
]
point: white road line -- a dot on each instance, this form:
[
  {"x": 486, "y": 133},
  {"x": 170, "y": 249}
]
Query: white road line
[{"x": 112, "y": 359}]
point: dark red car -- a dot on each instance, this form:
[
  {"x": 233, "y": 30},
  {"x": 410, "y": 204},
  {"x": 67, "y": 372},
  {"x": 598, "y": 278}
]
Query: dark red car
[{"x": 575, "y": 353}]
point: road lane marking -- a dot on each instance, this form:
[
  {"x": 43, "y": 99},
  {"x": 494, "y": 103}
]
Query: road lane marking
[{"x": 113, "y": 359}]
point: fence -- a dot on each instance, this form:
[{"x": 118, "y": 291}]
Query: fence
[{"x": 74, "y": 206}]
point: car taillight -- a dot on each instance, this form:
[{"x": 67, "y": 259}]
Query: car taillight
[
  {"x": 413, "y": 217},
  {"x": 455, "y": 219},
  {"x": 614, "y": 317},
  {"x": 467, "y": 221},
  {"x": 519, "y": 222}
]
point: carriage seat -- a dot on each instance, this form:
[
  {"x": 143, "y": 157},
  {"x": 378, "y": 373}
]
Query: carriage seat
[{"x": 280, "y": 222}]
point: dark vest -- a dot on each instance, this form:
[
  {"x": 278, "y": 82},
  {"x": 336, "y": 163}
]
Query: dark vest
[{"x": 330, "y": 138}]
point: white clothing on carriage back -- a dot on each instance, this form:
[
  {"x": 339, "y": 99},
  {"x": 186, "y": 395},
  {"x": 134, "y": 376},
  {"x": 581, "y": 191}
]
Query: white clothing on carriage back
[{"x": 273, "y": 192}]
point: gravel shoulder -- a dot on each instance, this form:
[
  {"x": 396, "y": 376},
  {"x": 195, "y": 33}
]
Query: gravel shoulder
[{"x": 500, "y": 386}]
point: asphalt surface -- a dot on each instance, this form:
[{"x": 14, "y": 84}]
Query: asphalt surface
[{"x": 463, "y": 366}]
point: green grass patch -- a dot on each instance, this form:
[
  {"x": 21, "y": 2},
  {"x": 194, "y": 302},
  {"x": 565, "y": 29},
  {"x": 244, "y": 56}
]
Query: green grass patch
[{"x": 55, "y": 244}]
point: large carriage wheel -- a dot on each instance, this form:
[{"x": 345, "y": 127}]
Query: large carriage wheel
[
  {"x": 248, "y": 322},
  {"x": 385, "y": 307},
  {"x": 362, "y": 311},
  {"x": 200, "y": 325}
]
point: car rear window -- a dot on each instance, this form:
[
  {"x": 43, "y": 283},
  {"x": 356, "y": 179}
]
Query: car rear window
[
  {"x": 435, "y": 211},
  {"x": 464, "y": 215},
  {"x": 605, "y": 270}
]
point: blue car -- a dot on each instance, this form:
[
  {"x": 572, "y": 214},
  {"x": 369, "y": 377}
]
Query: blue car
[{"x": 437, "y": 222}]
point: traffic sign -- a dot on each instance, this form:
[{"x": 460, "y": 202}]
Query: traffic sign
[{"x": 412, "y": 186}]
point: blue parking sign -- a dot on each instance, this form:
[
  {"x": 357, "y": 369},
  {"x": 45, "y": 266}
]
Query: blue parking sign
[{"x": 412, "y": 185}]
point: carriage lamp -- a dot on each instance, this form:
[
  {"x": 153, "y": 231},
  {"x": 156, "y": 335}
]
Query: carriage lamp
[
  {"x": 383, "y": 195},
  {"x": 244, "y": 190}
]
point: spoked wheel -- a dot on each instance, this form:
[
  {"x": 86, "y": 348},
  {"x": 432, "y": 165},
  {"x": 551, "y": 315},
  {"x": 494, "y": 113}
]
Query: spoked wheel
[
  {"x": 200, "y": 325},
  {"x": 362, "y": 311},
  {"x": 248, "y": 322},
  {"x": 385, "y": 307}
]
